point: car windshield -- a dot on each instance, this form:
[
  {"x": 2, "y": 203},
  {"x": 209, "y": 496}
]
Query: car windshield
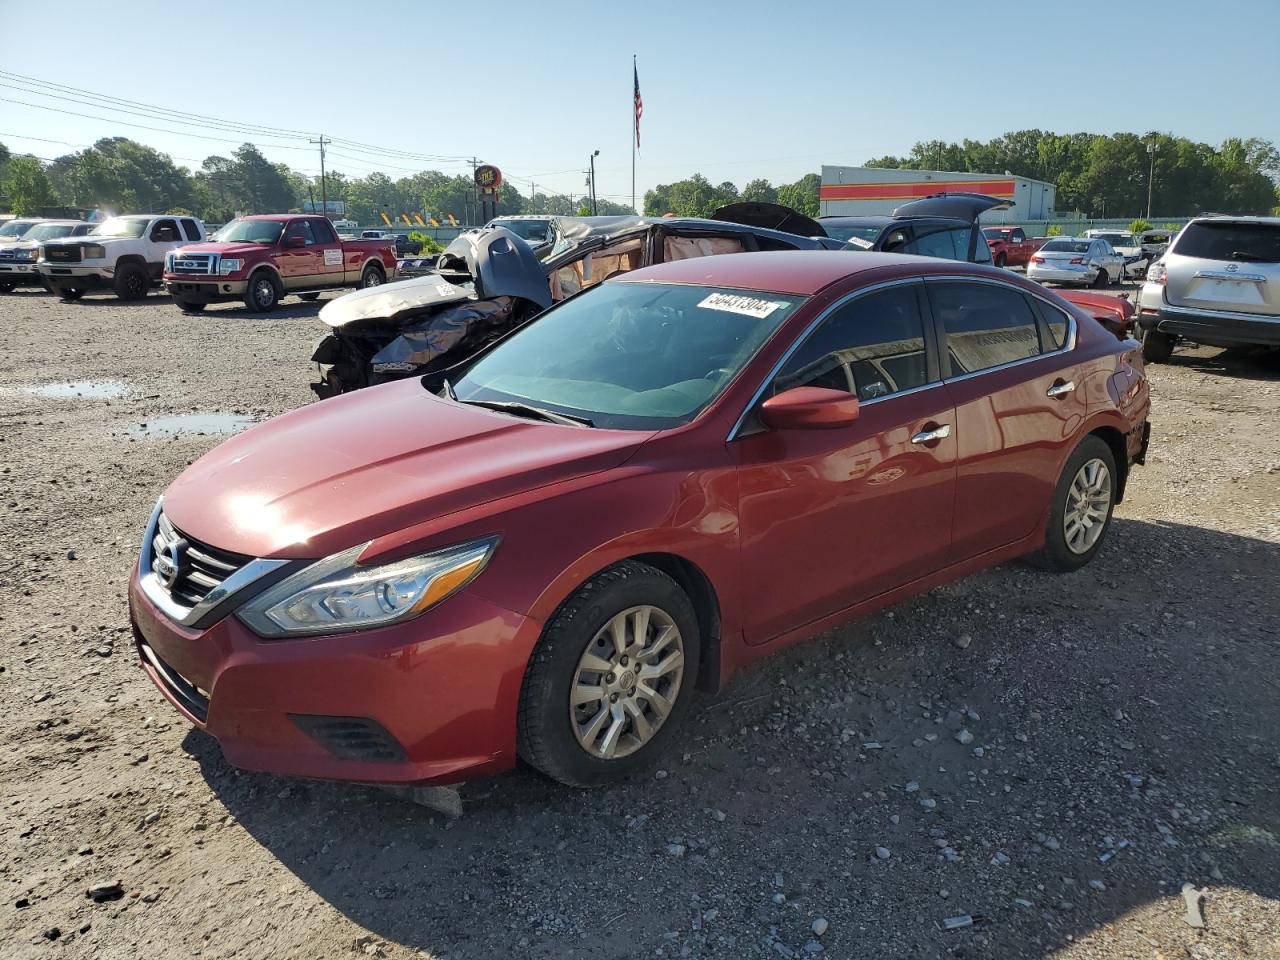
[
  {"x": 536, "y": 230},
  {"x": 847, "y": 233},
  {"x": 250, "y": 231},
  {"x": 1066, "y": 246},
  {"x": 49, "y": 231},
  {"x": 1246, "y": 242},
  {"x": 121, "y": 227},
  {"x": 630, "y": 356},
  {"x": 16, "y": 228}
]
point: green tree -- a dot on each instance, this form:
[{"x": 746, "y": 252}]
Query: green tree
[
  {"x": 802, "y": 196},
  {"x": 26, "y": 186},
  {"x": 760, "y": 191}
]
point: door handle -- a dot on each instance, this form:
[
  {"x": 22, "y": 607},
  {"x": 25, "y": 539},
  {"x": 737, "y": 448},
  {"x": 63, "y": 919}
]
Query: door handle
[
  {"x": 936, "y": 433},
  {"x": 1061, "y": 389}
]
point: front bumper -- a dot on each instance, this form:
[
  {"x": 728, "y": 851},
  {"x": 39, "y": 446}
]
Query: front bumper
[
  {"x": 1213, "y": 328},
  {"x": 444, "y": 688},
  {"x": 75, "y": 276},
  {"x": 20, "y": 273},
  {"x": 1052, "y": 275},
  {"x": 213, "y": 290}
]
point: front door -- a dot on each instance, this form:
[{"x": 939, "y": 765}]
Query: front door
[
  {"x": 832, "y": 517},
  {"x": 300, "y": 266}
]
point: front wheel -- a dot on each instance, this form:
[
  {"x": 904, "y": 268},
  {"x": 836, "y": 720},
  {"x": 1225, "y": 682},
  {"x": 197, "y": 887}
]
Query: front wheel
[
  {"x": 190, "y": 306},
  {"x": 611, "y": 677},
  {"x": 1082, "y": 504},
  {"x": 308, "y": 297},
  {"x": 1157, "y": 347},
  {"x": 132, "y": 282},
  {"x": 1001, "y": 260},
  {"x": 70, "y": 294},
  {"x": 7, "y": 287},
  {"x": 263, "y": 292}
]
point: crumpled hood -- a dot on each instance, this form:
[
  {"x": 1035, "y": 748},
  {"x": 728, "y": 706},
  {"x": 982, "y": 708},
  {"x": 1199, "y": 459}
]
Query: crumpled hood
[
  {"x": 391, "y": 301},
  {"x": 337, "y": 473}
]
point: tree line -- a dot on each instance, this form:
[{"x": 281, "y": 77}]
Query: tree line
[
  {"x": 1096, "y": 176},
  {"x": 125, "y": 176}
]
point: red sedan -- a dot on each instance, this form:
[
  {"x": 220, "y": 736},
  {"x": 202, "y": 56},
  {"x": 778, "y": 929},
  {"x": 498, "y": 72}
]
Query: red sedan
[{"x": 646, "y": 488}]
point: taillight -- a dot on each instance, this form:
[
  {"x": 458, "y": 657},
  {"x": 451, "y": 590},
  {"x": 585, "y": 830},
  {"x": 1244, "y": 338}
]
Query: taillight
[
  {"x": 1037, "y": 259},
  {"x": 1077, "y": 259},
  {"x": 1157, "y": 273}
]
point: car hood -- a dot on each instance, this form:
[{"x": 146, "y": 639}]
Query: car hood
[
  {"x": 771, "y": 216},
  {"x": 337, "y": 473},
  {"x": 230, "y": 248}
]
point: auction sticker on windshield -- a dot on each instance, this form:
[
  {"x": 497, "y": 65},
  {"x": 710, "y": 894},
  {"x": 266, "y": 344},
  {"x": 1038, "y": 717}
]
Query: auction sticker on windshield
[{"x": 747, "y": 306}]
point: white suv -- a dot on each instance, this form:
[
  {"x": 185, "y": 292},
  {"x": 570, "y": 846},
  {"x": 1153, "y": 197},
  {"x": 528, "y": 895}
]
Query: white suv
[
  {"x": 124, "y": 254},
  {"x": 1217, "y": 284}
]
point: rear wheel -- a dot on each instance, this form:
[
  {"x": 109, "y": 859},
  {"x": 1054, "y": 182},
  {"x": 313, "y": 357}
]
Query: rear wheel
[
  {"x": 372, "y": 277},
  {"x": 1082, "y": 504},
  {"x": 132, "y": 282},
  {"x": 611, "y": 677},
  {"x": 263, "y": 292},
  {"x": 1001, "y": 260},
  {"x": 1102, "y": 280},
  {"x": 1157, "y": 347}
]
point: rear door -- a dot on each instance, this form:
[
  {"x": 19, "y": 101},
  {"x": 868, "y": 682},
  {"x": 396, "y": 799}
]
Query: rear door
[
  {"x": 1230, "y": 265},
  {"x": 1017, "y": 401},
  {"x": 832, "y": 517}
]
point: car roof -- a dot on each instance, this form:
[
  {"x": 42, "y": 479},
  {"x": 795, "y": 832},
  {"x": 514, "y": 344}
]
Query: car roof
[
  {"x": 1224, "y": 218},
  {"x": 801, "y": 272},
  {"x": 277, "y": 216}
]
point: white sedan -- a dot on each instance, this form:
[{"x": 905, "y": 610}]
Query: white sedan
[
  {"x": 1136, "y": 260},
  {"x": 1079, "y": 261}
]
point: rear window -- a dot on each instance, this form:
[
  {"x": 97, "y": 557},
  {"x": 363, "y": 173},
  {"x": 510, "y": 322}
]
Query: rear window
[
  {"x": 1246, "y": 242},
  {"x": 1066, "y": 246}
]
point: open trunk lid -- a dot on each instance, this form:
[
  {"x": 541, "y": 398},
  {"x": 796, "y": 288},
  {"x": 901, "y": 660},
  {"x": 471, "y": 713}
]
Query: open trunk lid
[
  {"x": 958, "y": 206},
  {"x": 769, "y": 216},
  {"x": 1229, "y": 265}
]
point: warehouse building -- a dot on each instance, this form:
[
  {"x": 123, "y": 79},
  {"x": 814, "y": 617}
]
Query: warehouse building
[{"x": 871, "y": 191}]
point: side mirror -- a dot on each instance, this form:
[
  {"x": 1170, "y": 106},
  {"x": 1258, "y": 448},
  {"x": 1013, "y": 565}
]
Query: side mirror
[
  {"x": 809, "y": 408},
  {"x": 295, "y": 241}
]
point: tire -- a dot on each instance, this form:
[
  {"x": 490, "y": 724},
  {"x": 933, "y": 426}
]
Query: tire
[
  {"x": 1102, "y": 280},
  {"x": 7, "y": 287},
  {"x": 1001, "y": 260},
  {"x": 308, "y": 297},
  {"x": 571, "y": 743},
  {"x": 132, "y": 282},
  {"x": 263, "y": 292},
  {"x": 190, "y": 306},
  {"x": 1085, "y": 491},
  {"x": 372, "y": 277},
  {"x": 70, "y": 294},
  {"x": 1157, "y": 347}
]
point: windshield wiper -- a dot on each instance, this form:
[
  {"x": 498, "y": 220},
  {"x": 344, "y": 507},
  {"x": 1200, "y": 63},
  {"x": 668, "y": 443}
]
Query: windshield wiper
[
  {"x": 527, "y": 410},
  {"x": 447, "y": 391},
  {"x": 1246, "y": 256}
]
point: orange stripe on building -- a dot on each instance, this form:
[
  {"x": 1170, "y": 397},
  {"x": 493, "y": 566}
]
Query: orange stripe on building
[{"x": 910, "y": 190}]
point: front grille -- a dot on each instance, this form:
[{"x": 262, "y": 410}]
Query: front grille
[
  {"x": 194, "y": 700},
  {"x": 187, "y": 568},
  {"x": 351, "y": 738},
  {"x": 195, "y": 264},
  {"x": 8, "y": 253},
  {"x": 63, "y": 254}
]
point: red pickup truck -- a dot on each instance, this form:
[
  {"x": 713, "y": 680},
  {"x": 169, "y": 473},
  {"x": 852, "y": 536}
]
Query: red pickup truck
[
  {"x": 263, "y": 258},
  {"x": 1010, "y": 246}
]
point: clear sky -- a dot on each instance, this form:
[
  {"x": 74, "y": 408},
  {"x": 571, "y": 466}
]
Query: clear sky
[{"x": 734, "y": 90}]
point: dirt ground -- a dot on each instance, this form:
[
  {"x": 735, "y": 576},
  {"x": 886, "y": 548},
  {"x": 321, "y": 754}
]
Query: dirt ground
[{"x": 1125, "y": 725}]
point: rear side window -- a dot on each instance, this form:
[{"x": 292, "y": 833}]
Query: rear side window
[
  {"x": 1056, "y": 323},
  {"x": 872, "y": 347},
  {"x": 986, "y": 325},
  {"x": 323, "y": 231},
  {"x": 949, "y": 244},
  {"x": 1244, "y": 242},
  {"x": 192, "y": 231}
]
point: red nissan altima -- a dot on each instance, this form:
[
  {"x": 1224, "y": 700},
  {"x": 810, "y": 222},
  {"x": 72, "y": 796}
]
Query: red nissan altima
[{"x": 647, "y": 487}]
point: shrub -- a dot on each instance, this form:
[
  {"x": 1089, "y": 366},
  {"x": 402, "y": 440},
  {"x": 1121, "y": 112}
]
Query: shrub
[
  {"x": 1137, "y": 226},
  {"x": 430, "y": 245},
  {"x": 1053, "y": 231}
]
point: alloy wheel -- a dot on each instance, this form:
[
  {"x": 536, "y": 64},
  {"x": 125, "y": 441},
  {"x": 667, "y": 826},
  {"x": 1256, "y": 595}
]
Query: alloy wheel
[
  {"x": 372, "y": 279},
  {"x": 626, "y": 682},
  {"x": 1088, "y": 504},
  {"x": 263, "y": 292}
]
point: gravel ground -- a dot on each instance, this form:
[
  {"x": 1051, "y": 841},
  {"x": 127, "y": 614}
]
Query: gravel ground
[{"x": 1052, "y": 756}]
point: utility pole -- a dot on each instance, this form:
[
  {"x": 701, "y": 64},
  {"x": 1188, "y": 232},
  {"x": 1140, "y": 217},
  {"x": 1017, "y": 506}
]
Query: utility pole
[
  {"x": 324, "y": 195},
  {"x": 475, "y": 189},
  {"x": 1151, "y": 177},
  {"x": 595, "y": 207}
]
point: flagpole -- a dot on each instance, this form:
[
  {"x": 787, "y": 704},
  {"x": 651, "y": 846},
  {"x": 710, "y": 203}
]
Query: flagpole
[{"x": 633, "y": 139}]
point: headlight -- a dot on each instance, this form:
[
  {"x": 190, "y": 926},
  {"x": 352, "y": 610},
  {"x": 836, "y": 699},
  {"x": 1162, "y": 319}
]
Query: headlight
[
  {"x": 93, "y": 251},
  {"x": 229, "y": 265},
  {"x": 335, "y": 595},
  {"x": 29, "y": 254}
]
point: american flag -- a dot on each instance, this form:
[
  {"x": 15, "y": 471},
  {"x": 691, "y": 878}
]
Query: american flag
[{"x": 639, "y": 102}]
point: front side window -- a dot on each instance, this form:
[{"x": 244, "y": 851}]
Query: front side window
[
  {"x": 165, "y": 231},
  {"x": 986, "y": 324},
  {"x": 630, "y": 356},
  {"x": 871, "y": 347},
  {"x": 1017, "y": 236},
  {"x": 301, "y": 228}
]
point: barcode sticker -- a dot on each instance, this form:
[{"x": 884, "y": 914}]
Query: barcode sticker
[{"x": 734, "y": 303}]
